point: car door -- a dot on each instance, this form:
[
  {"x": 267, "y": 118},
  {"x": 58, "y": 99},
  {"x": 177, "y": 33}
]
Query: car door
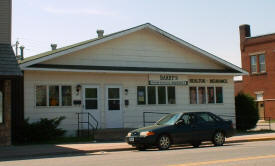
[
  {"x": 182, "y": 133},
  {"x": 204, "y": 128}
]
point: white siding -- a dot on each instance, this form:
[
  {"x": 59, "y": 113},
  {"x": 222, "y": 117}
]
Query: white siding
[
  {"x": 132, "y": 114},
  {"x": 144, "y": 48}
]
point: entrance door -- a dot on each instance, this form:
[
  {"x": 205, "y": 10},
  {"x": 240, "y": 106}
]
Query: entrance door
[
  {"x": 91, "y": 105},
  {"x": 261, "y": 109},
  {"x": 113, "y": 107}
]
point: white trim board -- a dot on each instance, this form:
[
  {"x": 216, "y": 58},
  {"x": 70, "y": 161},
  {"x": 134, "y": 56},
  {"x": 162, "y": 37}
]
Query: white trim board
[{"x": 126, "y": 32}]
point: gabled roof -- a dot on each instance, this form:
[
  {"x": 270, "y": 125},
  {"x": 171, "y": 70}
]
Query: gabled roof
[
  {"x": 78, "y": 46},
  {"x": 8, "y": 63}
]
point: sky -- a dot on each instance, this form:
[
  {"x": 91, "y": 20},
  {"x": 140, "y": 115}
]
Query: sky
[{"x": 212, "y": 25}]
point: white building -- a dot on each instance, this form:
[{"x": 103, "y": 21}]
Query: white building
[{"x": 119, "y": 76}]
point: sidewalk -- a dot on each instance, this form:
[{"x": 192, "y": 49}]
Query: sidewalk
[{"x": 30, "y": 151}]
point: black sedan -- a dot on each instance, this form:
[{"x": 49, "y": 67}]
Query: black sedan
[{"x": 179, "y": 128}]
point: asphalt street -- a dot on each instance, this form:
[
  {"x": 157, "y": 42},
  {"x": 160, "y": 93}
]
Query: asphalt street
[{"x": 234, "y": 154}]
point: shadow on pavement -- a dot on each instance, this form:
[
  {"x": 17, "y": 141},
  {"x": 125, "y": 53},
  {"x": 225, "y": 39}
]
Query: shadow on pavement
[{"x": 11, "y": 153}]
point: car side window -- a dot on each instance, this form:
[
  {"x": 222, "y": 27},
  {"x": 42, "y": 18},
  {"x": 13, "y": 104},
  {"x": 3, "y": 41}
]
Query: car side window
[
  {"x": 205, "y": 117},
  {"x": 188, "y": 119}
]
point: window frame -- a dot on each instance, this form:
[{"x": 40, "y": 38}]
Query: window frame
[
  {"x": 256, "y": 63},
  {"x": 156, "y": 93},
  {"x": 48, "y": 95},
  {"x": 206, "y": 95},
  {"x": 260, "y": 68}
]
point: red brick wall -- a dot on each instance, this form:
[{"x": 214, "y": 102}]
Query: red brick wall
[
  {"x": 261, "y": 81},
  {"x": 5, "y": 128}
]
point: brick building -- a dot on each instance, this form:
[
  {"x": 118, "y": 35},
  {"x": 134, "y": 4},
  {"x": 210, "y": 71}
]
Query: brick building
[
  {"x": 258, "y": 58},
  {"x": 11, "y": 113}
]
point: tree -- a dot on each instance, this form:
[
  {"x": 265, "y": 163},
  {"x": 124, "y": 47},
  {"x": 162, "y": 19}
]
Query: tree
[{"x": 247, "y": 114}]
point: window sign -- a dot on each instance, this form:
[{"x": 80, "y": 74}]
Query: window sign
[
  {"x": 210, "y": 94},
  {"x": 1, "y": 107},
  {"x": 141, "y": 94},
  {"x": 193, "y": 95},
  {"x": 41, "y": 95}
]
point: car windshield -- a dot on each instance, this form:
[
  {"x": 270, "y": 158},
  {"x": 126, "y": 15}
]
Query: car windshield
[{"x": 169, "y": 119}]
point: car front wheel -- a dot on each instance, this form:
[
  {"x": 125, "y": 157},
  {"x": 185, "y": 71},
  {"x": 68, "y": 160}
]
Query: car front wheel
[
  {"x": 164, "y": 142},
  {"x": 218, "y": 139}
]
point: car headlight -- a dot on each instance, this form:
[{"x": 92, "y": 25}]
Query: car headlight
[
  {"x": 129, "y": 134},
  {"x": 146, "y": 133}
]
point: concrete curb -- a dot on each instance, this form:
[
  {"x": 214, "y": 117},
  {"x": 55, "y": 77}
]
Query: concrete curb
[{"x": 74, "y": 152}]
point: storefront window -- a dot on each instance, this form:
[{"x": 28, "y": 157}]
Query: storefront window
[
  {"x": 151, "y": 94},
  {"x": 1, "y": 107},
  {"x": 201, "y": 95},
  {"x": 41, "y": 95},
  {"x": 54, "y": 95},
  {"x": 171, "y": 95},
  {"x": 210, "y": 95},
  {"x": 193, "y": 95},
  {"x": 161, "y": 95},
  {"x": 219, "y": 95},
  {"x": 66, "y": 96},
  {"x": 141, "y": 95}
]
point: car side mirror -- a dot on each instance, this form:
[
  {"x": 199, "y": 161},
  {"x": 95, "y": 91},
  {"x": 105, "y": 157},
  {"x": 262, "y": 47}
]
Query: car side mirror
[{"x": 179, "y": 122}]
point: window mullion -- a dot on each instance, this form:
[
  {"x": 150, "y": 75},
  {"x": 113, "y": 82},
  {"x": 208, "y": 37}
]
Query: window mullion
[
  {"x": 60, "y": 95},
  {"x": 157, "y": 95},
  {"x": 48, "y": 95}
]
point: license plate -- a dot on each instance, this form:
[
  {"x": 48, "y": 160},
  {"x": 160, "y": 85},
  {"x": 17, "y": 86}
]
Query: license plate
[{"x": 131, "y": 139}]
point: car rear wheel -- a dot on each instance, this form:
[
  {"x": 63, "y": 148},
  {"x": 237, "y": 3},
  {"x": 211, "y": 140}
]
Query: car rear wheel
[
  {"x": 218, "y": 138},
  {"x": 164, "y": 142},
  {"x": 196, "y": 144}
]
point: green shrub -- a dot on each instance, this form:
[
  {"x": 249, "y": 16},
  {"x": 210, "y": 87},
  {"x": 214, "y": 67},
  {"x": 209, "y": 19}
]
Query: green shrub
[
  {"x": 247, "y": 114},
  {"x": 40, "y": 131}
]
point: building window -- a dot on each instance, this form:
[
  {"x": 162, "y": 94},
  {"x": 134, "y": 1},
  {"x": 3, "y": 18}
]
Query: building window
[
  {"x": 41, "y": 95},
  {"x": 210, "y": 95},
  {"x": 151, "y": 90},
  {"x": 1, "y": 108},
  {"x": 219, "y": 95},
  {"x": 198, "y": 95},
  {"x": 161, "y": 95},
  {"x": 91, "y": 98},
  {"x": 262, "y": 62},
  {"x": 171, "y": 95},
  {"x": 66, "y": 95},
  {"x": 141, "y": 95},
  {"x": 156, "y": 95},
  {"x": 54, "y": 95},
  {"x": 201, "y": 95},
  {"x": 253, "y": 64},
  {"x": 193, "y": 95}
]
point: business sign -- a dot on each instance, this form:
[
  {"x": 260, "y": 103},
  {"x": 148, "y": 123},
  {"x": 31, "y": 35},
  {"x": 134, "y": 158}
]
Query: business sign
[
  {"x": 211, "y": 81},
  {"x": 167, "y": 79}
]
